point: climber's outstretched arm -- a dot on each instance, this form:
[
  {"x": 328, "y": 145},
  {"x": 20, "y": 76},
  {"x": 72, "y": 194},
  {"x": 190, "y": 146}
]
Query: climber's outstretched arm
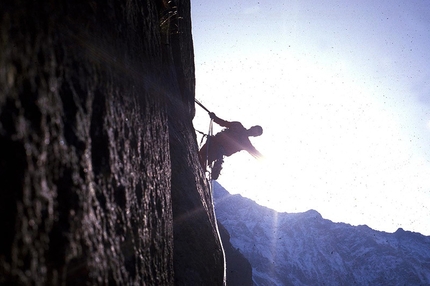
[
  {"x": 221, "y": 122},
  {"x": 251, "y": 150},
  {"x": 255, "y": 153}
]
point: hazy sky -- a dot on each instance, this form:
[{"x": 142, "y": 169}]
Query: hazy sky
[{"x": 342, "y": 91}]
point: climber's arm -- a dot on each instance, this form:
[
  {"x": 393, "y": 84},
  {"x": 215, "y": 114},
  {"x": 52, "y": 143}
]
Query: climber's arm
[
  {"x": 255, "y": 153},
  {"x": 252, "y": 151},
  {"x": 222, "y": 122}
]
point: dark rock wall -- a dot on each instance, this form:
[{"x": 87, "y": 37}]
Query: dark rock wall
[
  {"x": 97, "y": 151},
  {"x": 198, "y": 256}
]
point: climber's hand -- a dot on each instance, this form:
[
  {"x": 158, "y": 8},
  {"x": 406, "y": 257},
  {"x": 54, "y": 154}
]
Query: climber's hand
[{"x": 212, "y": 115}]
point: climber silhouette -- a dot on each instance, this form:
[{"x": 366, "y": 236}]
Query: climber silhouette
[{"x": 232, "y": 139}]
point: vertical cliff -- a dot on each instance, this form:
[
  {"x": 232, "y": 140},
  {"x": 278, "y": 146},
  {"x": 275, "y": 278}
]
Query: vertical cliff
[
  {"x": 99, "y": 173},
  {"x": 198, "y": 256}
]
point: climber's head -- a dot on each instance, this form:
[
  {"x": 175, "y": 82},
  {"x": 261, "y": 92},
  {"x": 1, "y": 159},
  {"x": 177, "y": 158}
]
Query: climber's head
[{"x": 255, "y": 131}]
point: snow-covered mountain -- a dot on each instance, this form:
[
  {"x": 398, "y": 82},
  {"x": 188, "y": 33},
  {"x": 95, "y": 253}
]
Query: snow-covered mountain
[{"x": 305, "y": 249}]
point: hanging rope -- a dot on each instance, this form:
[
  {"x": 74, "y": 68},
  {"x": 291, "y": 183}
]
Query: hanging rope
[
  {"x": 208, "y": 135},
  {"x": 209, "y": 132},
  {"x": 216, "y": 166},
  {"x": 203, "y": 134}
]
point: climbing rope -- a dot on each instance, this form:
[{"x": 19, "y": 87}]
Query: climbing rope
[
  {"x": 208, "y": 135},
  {"x": 210, "y": 125},
  {"x": 204, "y": 135}
]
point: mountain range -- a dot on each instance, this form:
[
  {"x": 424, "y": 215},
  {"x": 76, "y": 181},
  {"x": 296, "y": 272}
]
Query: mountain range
[{"x": 306, "y": 249}]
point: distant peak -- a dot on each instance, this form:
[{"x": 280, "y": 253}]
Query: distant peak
[{"x": 312, "y": 214}]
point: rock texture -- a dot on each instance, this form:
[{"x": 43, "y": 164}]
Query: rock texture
[{"x": 99, "y": 173}]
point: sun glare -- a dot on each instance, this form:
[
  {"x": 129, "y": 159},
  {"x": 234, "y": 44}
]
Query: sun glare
[{"x": 328, "y": 142}]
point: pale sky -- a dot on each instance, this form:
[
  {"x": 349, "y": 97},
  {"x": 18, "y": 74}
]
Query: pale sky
[{"x": 342, "y": 91}]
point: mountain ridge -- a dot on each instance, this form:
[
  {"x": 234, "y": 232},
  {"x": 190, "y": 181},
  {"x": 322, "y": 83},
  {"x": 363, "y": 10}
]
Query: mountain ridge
[{"x": 306, "y": 249}]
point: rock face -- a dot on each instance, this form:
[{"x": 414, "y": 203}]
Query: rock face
[
  {"x": 99, "y": 175},
  {"x": 305, "y": 249}
]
